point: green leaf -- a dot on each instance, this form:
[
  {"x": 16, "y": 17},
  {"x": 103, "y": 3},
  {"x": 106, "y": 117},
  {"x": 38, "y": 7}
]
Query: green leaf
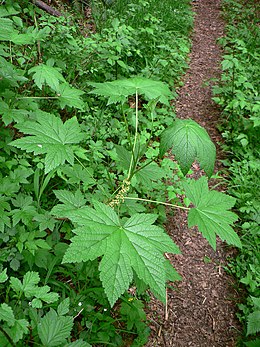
[
  {"x": 6, "y": 29},
  {"x": 51, "y": 137},
  {"x": 151, "y": 172},
  {"x": 254, "y": 343},
  {"x": 64, "y": 307},
  {"x": 171, "y": 274},
  {"x": 3, "y": 276},
  {"x": 69, "y": 96},
  {"x": 190, "y": 142},
  {"x": 77, "y": 174},
  {"x": 78, "y": 343},
  {"x": 6, "y": 314},
  {"x": 135, "y": 245},
  {"x": 71, "y": 201},
  {"x": 119, "y": 90},
  {"x": 253, "y": 322},
  {"x": 210, "y": 212},
  {"x": 256, "y": 301},
  {"x": 46, "y": 74},
  {"x": 44, "y": 294},
  {"x": 53, "y": 330},
  {"x": 30, "y": 280},
  {"x": 19, "y": 328}
]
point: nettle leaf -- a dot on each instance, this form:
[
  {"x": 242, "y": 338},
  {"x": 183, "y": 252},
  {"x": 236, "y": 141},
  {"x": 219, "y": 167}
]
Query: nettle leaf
[
  {"x": 189, "y": 142},
  {"x": 46, "y": 74},
  {"x": 136, "y": 245},
  {"x": 53, "y": 329},
  {"x": 211, "y": 213},
  {"x": 51, "y": 137},
  {"x": 119, "y": 90}
]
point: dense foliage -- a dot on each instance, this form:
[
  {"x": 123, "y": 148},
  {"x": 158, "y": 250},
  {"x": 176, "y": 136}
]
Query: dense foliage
[
  {"x": 238, "y": 95},
  {"x": 85, "y": 125}
]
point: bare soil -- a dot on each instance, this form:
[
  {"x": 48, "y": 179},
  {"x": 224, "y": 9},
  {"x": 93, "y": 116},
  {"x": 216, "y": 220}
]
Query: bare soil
[{"x": 200, "y": 310}]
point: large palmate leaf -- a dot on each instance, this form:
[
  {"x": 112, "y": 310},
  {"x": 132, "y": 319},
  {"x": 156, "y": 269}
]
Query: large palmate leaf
[
  {"x": 189, "y": 141},
  {"x": 51, "y": 137},
  {"x": 119, "y": 90},
  {"x": 211, "y": 213},
  {"x": 135, "y": 245}
]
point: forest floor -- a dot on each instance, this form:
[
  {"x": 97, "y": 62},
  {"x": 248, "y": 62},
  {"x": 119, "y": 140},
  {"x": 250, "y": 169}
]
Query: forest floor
[{"x": 200, "y": 309}]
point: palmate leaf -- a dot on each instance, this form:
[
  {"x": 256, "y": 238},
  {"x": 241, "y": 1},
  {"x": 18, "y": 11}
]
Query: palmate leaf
[
  {"x": 46, "y": 74},
  {"x": 136, "y": 245},
  {"x": 69, "y": 96},
  {"x": 189, "y": 141},
  {"x": 51, "y": 137},
  {"x": 119, "y": 90},
  {"x": 211, "y": 213}
]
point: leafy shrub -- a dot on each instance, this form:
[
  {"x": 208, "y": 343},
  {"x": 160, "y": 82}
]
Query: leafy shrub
[
  {"x": 238, "y": 95},
  {"x": 82, "y": 167}
]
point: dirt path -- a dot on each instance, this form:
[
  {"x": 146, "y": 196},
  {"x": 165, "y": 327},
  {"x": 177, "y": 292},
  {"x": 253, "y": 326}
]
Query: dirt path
[{"x": 201, "y": 310}]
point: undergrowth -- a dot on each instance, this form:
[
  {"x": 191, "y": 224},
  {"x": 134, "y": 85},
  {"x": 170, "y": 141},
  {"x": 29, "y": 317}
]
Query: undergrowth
[
  {"x": 238, "y": 95},
  {"x": 86, "y": 128}
]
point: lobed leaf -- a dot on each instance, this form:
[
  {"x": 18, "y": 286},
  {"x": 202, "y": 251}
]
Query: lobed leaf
[
  {"x": 119, "y": 90},
  {"x": 211, "y": 213},
  {"x": 45, "y": 74},
  {"x": 137, "y": 245},
  {"x": 53, "y": 330},
  {"x": 51, "y": 137}
]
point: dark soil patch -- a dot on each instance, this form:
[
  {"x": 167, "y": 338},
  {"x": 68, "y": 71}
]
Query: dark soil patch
[{"x": 201, "y": 308}]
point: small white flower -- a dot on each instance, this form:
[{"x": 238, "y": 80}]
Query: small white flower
[
  {"x": 80, "y": 303},
  {"x": 39, "y": 146},
  {"x": 105, "y": 309}
]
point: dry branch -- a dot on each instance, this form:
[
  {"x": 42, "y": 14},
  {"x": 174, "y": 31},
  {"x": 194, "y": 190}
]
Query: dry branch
[{"x": 47, "y": 8}]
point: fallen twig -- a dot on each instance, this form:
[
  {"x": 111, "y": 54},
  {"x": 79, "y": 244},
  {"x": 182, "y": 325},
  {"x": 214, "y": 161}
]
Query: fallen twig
[{"x": 47, "y": 8}]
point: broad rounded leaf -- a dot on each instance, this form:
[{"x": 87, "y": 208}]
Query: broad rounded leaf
[{"x": 189, "y": 142}]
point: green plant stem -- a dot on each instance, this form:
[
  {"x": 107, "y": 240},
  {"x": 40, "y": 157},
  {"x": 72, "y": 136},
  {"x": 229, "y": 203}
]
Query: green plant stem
[
  {"x": 158, "y": 202},
  {"x": 99, "y": 185},
  {"x": 7, "y": 336},
  {"x": 142, "y": 167},
  {"x": 136, "y": 132},
  {"x": 38, "y": 97}
]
